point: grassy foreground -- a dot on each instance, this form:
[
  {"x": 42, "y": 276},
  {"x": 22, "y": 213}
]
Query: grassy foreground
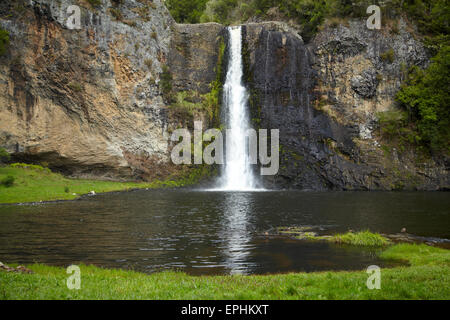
[
  {"x": 33, "y": 183},
  {"x": 427, "y": 277}
]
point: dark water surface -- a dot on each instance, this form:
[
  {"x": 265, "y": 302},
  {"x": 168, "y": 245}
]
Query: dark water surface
[{"x": 212, "y": 232}]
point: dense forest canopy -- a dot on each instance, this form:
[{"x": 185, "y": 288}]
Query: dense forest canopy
[
  {"x": 422, "y": 118},
  {"x": 186, "y": 11},
  {"x": 430, "y": 15}
]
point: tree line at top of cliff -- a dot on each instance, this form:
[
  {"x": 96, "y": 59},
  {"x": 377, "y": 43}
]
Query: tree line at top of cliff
[{"x": 430, "y": 15}]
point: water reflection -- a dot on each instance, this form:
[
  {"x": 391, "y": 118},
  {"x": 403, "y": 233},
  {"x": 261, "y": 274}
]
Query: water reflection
[
  {"x": 236, "y": 234},
  {"x": 212, "y": 232}
]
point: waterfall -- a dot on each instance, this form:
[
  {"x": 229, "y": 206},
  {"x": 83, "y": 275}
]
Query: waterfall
[{"x": 237, "y": 174}]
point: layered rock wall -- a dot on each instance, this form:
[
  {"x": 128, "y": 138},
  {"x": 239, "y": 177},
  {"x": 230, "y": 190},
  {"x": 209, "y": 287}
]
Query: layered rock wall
[
  {"x": 91, "y": 102},
  {"x": 325, "y": 97}
]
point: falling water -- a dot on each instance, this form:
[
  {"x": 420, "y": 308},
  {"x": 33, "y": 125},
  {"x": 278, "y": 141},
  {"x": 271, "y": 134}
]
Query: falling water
[{"x": 237, "y": 174}]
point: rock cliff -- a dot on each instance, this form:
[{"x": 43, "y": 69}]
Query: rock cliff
[
  {"x": 324, "y": 97},
  {"x": 102, "y": 101},
  {"x": 85, "y": 101}
]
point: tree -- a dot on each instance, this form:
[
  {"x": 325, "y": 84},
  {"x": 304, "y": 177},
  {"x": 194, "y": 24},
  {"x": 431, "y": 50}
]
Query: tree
[
  {"x": 186, "y": 11},
  {"x": 426, "y": 96}
]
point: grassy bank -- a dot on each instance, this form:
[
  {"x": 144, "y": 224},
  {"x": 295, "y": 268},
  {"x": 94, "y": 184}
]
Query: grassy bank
[
  {"x": 427, "y": 277},
  {"x": 361, "y": 238},
  {"x": 31, "y": 183}
]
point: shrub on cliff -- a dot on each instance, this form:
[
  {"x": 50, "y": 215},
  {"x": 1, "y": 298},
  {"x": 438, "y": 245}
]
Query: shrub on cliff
[
  {"x": 166, "y": 82},
  {"x": 431, "y": 16},
  {"x": 4, "y": 41},
  {"x": 116, "y": 13},
  {"x": 4, "y": 155},
  {"x": 426, "y": 98},
  {"x": 388, "y": 56}
]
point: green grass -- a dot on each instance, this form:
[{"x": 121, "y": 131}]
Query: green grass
[
  {"x": 34, "y": 183},
  {"x": 427, "y": 277},
  {"x": 362, "y": 238},
  {"x": 417, "y": 255}
]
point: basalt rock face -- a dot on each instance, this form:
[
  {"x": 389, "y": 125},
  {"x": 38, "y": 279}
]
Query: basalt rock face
[
  {"x": 194, "y": 55},
  {"x": 197, "y": 63},
  {"x": 282, "y": 83},
  {"x": 324, "y": 98},
  {"x": 89, "y": 102},
  {"x": 85, "y": 101}
]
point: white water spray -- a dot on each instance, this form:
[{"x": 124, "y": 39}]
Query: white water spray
[{"x": 237, "y": 174}]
